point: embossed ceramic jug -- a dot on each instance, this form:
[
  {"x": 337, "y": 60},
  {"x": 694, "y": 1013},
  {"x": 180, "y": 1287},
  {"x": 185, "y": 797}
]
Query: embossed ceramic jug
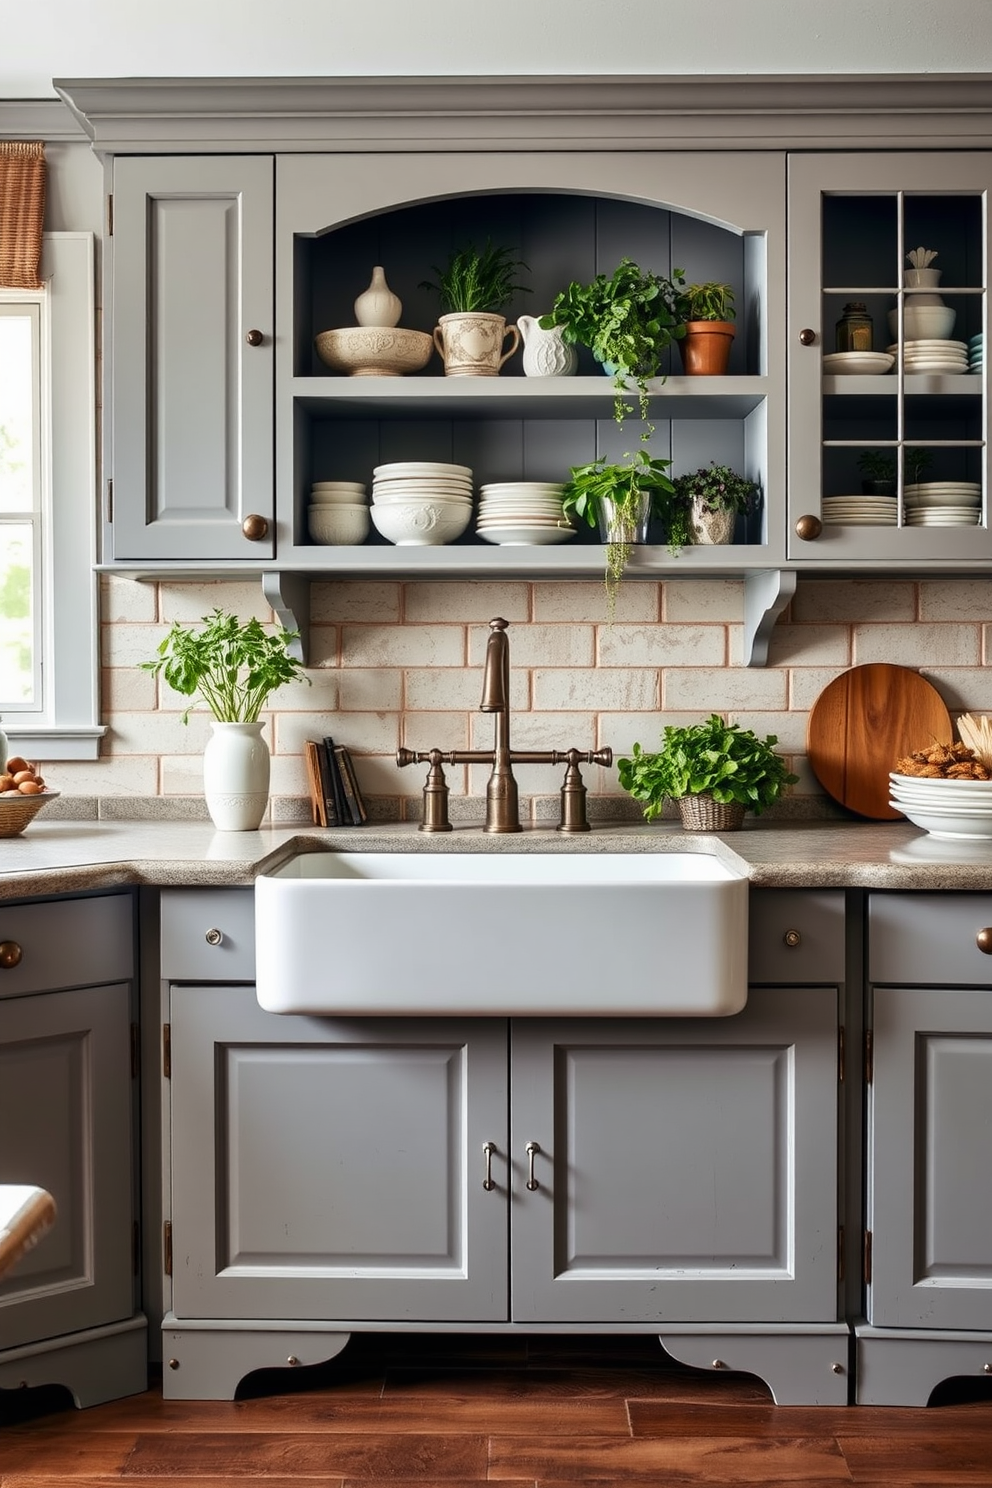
[
  {"x": 471, "y": 343},
  {"x": 545, "y": 353}
]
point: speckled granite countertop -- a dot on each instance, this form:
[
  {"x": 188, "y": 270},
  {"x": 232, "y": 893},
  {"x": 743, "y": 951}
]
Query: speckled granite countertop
[{"x": 63, "y": 857}]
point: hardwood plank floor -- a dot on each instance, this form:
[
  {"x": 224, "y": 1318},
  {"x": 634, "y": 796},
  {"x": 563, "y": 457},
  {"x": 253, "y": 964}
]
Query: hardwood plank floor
[{"x": 436, "y": 1412}]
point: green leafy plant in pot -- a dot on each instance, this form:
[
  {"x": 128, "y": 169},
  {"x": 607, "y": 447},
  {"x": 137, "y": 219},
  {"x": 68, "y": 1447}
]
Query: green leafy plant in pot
[
  {"x": 706, "y": 313},
  {"x": 474, "y": 287},
  {"x": 619, "y": 498},
  {"x": 715, "y": 771},
  {"x": 234, "y": 667},
  {"x": 713, "y": 497}
]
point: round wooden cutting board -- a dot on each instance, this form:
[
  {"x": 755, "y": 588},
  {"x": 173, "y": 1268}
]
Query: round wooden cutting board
[{"x": 864, "y": 721}]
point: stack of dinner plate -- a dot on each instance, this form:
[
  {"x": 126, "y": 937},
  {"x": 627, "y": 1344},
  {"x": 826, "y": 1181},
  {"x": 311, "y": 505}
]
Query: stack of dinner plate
[
  {"x": 944, "y": 808},
  {"x": 943, "y": 504},
  {"x": 932, "y": 355},
  {"x": 976, "y": 352},
  {"x": 522, "y": 513},
  {"x": 859, "y": 511}
]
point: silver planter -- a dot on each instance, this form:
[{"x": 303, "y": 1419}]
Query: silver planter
[{"x": 627, "y": 524}]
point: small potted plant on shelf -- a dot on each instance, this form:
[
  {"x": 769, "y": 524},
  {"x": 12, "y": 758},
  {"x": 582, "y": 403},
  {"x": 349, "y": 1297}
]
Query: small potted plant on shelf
[
  {"x": 706, "y": 312},
  {"x": 714, "y": 496},
  {"x": 879, "y": 467},
  {"x": 627, "y": 319},
  {"x": 234, "y": 668},
  {"x": 619, "y": 498},
  {"x": 715, "y": 771},
  {"x": 473, "y": 288}
]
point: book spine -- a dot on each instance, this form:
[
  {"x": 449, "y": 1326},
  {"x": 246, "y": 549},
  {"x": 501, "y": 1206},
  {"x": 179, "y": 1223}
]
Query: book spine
[
  {"x": 342, "y": 813},
  {"x": 349, "y": 781},
  {"x": 311, "y": 756},
  {"x": 332, "y": 809}
]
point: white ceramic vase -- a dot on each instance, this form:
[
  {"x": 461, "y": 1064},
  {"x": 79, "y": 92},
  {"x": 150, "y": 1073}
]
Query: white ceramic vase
[
  {"x": 377, "y": 305},
  {"x": 236, "y": 776},
  {"x": 545, "y": 353}
]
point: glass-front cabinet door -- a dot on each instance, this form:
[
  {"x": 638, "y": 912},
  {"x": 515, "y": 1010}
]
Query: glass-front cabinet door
[{"x": 888, "y": 304}]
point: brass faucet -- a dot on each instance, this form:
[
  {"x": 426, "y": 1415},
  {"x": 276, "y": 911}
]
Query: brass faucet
[{"x": 502, "y": 802}]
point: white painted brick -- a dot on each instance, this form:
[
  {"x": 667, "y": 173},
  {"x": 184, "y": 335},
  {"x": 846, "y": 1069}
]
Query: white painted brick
[
  {"x": 469, "y": 602},
  {"x": 158, "y": 733},
  {"x": 323, "y": 650},
  {"x": 375, "y": 690},
  {"x": 808, "y": 784},
  {"x": 134, "y": 775},
  {"x": 126, "y": 690},
  {"x": 662, "y": 645},
  {"x": 126, "y": 599},
  {"x": 788, "y": 728},
  {"x": 532, "y": 780},
  {"x": 615, "y": 689},
  {"x": 538, "y": 731},
  {"x": 910, "y": 645},
  {"x": 706, "y": 600},
  {"x": 375, "y": 733},
  {"x": 844, "y": 601},
  {"x": 809, "y": 645},
  {"x": 956, "y": 599},
  {"x": 354, "y": 600},
  {"x": 444, "y": 731},
  {"x": 728, "y": 688},
  {"x": 403, "y": 645},
  {"x": 182, "y": 775},
  {"x": 539, "y": 645},
  {"x": 288, "y": 776},
  {"x": 296, "y": 697},
  {"x": 126, "y": 645},
  {"x": 580, "y": 602},
  {"x": 379, "y": 775},
  {"x": 805, "y": 685},
  {"x": 189, "y": 602},
  {"x": 446, "y": 689},
  {"x": 964, "y": 689}
]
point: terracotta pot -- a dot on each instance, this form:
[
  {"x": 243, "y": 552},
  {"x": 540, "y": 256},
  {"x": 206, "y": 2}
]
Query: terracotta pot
[
  {"x": 705, "y": 347},
  {"x": 472, "y": 344}
]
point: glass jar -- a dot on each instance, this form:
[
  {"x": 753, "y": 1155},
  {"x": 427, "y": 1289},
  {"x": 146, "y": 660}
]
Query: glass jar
[{"x": 854, "y": 329}]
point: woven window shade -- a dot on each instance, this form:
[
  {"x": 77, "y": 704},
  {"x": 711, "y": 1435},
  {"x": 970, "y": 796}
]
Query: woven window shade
[{"x": 22, "y": 210}]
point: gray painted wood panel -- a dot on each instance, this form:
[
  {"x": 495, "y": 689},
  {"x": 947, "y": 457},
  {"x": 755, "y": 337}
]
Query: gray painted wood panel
[
  {"x": 69, "y": 943},
  {"x": 929, "y": 939}
]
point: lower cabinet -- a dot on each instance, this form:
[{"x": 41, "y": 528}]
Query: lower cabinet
[
  {"x": 67, "y": 1089},
  {"x": 928, "y": 1239}
]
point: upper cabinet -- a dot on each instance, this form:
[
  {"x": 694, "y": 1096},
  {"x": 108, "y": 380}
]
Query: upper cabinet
[{"x": 888, "y": 306}]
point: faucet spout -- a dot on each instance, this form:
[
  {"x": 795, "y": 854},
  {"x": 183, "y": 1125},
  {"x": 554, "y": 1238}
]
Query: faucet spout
[
  {"x": 502, "y": 804},
  {"x": 496, "y": 678}
]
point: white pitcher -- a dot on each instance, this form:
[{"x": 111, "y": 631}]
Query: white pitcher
[{"x": 545, "y": 353}]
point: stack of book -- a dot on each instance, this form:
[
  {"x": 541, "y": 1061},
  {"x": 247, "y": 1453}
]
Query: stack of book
[{"x": 334, "y": 795}]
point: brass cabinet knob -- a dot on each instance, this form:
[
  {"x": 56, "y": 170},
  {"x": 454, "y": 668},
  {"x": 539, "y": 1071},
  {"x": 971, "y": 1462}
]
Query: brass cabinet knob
[
  {"x": 807, "y": 337},
  {"x": 809, "y": 527},
  {"x": 10, "y": 954},
  {"x": 792, "y": 939},
  {"x": 983, "y": 940},
  {"x": 255, "y": 527},
  {"x": 254, "y": 338}
]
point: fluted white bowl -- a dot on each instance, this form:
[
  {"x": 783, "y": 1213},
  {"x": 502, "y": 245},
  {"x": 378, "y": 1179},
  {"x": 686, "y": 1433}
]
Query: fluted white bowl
[
  {"x": 421, "y": 524},
  {"x": 342, "y": 526}
]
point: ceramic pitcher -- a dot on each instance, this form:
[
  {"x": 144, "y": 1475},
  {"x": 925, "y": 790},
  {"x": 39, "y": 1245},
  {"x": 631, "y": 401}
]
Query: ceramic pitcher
[{"x": 545, "y": 353}]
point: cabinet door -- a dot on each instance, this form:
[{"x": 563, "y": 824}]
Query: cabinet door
[
  {"x": 334, "y": 1169},
  {"x": 853, "y": 221},
  {"x": 686, "y": 1171},
  {"x": 930, "y": 1159},
  {"x": 65, "y": 1124},
  {"x": 192, "y": 449}
]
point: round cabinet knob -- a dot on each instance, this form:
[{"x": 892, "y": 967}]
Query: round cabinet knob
[
  {"x": 807, "y": 337},
  {"x": 254, "y": 527},
  {"x": 214, "y": 937},
  {"x": 809, "y": 527},
  {"x": 254, "y": 338},
  {"x": 10, "y": 954},
  {"x": 983, "y": 940},
  {"x": 792, "y": 938}
]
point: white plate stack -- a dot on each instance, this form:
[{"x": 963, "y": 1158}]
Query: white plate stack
[
  {"x": 338, "y": 513},
  {"x": 857, "y": 363},
  {"x": 933, "y": 355},
  {"x": 943, "y": 504},
  {"x": 421, "y": 503},
  {"x": 522, "y": 514},
  {"x": 859, "y": 511},
  {"x": 945, "y": 808}
]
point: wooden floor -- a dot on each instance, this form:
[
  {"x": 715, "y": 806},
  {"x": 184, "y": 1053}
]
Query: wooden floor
[{"x": 431, "y": 1412}]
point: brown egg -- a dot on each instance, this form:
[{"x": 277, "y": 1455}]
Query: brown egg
[
  {"x": 15, "y": 763},
  {"x": 30, "y": 788},
  {"x": 20, "y": 776},
  {"x": 6, "y": 783}
]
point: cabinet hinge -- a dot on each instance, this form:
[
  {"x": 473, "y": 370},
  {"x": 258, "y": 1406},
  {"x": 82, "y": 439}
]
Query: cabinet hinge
[
  {"x": 110, "y": 503},
  {"x": 167, "y": 1247},
  {"x": 869, "y": 1056},
  {"x": 866, "y": 1258},
  {"x": 167, "y": 1050},
  {"x": 840, "y": 1253},
  {"x": 110, "y": 215},
  {"x": 136, "y": 1248},
  {"x": 841, "y": 1056},
  {"x": 135, "y": 1051}
]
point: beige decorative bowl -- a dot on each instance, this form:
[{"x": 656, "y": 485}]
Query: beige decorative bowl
[
  {"x": 17, "y": 811},
  {"x": 374, "y": 351}
]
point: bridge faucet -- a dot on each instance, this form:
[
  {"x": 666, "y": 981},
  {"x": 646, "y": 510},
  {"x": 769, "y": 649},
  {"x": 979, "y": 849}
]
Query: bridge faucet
[{"x": 502, "y": 802}]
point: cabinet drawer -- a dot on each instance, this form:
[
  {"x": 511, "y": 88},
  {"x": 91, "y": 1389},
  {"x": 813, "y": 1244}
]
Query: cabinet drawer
[
  {"x": 796, "y": 936},
  {"x": 68, "y": 943},
  {"x": 928, "y": 939},
  {"x": 189, "y": 916}
]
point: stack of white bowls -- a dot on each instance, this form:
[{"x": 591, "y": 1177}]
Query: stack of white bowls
[
  {"x": 944, "y": 808},
  {"x": 421, "y": 503},
  {"x": 523, "y": 513},
  {"x": 943, "y": 504},
  {"x": 338, "y": 513}
]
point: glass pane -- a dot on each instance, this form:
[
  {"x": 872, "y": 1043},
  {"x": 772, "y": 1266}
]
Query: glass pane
[
  {"x": 17, "y": 659},
  {"x": 17, "y": 411}
]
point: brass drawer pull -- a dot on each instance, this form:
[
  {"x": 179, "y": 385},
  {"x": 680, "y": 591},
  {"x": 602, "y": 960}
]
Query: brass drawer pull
[
  {"x": 984, "y": 941},
  {"x": 10, "y": 954},
  {"x": 792, "y": 939},
  {"x": 532, "y": 1150}
]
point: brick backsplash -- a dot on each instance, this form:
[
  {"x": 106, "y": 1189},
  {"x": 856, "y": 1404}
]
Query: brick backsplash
[{"x": 400, "y": 663}]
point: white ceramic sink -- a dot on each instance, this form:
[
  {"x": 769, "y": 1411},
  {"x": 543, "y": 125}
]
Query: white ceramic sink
[{"x": 502, "y": 933}]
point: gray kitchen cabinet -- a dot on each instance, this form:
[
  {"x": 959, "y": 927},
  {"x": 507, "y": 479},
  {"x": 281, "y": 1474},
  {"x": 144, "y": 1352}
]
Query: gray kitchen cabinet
[
  {"x": 191, "y": 452},
  {"x": 852, "y": 221},
  {"x": 929, "y": 1220},
  {"x": 67, "y": 1093}
]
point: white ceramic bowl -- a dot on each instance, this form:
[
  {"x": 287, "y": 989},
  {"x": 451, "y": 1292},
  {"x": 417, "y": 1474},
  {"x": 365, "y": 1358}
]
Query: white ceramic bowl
[
  {"x": 337, "y": 498},
  {"x": 924, "y": 322},
  {"x": 422, "y": 524},
  {"x": 342, "y": 526},
  {"x": 374, "y": 351}
]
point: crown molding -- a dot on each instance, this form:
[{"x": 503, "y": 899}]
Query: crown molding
[
  {"x": 130, "y": 115},
  {"x": 47, "y": 119}
]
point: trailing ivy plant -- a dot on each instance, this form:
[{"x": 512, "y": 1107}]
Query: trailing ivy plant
[
  {"x": 717, "y": 488},
  {"x": 592, "y": 490},
  {"x": 231, "y": 666},
  {"x": 479, "y": 279},
  {"x": 713, "y": 758}
]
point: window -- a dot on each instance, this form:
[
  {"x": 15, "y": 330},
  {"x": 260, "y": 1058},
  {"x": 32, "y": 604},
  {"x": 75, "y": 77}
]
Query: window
[{"x": 49, "y": 659}]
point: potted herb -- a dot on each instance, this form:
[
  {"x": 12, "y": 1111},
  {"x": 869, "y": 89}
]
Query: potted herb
[
  {"x": 716, "y": 772},
  {"x": 707, "y": 313},
  {"x": 627, "y": 319},
  {"x": 878, "y": 471},
  {"x": 234, "y": 668},
  {"x": 473, "y": 288},
  {"x": 714, "y": 496},
  {"x": 619, "y": 498}
]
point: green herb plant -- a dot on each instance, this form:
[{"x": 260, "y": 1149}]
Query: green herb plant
[
  {"x": 710, "y": 301},
  {"x": 717, "y": 759},
  {"x": 591, "y": 489},
  {"x": 231, "y": 666},
  {"x": 881, "y": 465},
  {"x": 474, "y": 279},
  {"x": 716, "y": 488}
]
